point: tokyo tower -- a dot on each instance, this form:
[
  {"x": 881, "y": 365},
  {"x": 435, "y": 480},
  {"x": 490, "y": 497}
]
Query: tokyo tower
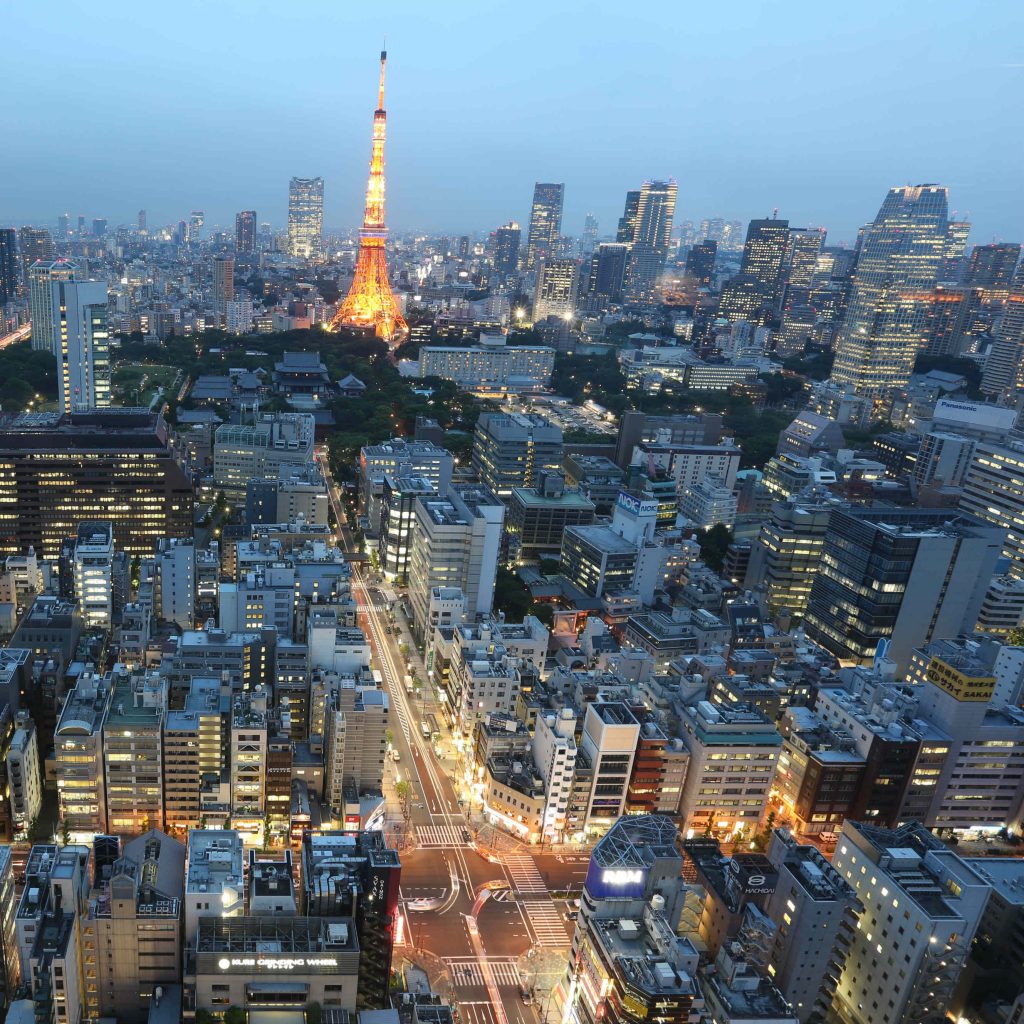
[{"x": 370, "y": 301}]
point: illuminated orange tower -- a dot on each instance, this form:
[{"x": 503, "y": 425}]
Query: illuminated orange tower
[{"x": 370, "y": 301}]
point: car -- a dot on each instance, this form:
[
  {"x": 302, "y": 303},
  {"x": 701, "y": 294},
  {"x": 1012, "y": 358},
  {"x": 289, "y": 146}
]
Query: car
[
  {"x": 571, "y": 915},
  {"x": 467, "y": 836},
  {"x": 395, "y": 756}
]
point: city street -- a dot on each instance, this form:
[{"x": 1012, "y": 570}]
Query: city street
[{"x": 470, "y": 913}]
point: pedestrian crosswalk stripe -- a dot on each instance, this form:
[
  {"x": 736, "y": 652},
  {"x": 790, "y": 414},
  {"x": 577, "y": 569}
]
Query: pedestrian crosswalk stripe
[
  {"x": 546, "y": 922},
  {"x": 465, "y": 975},
  {"x": 525, "y": 876},
  {"x": 439, "y": 835}
]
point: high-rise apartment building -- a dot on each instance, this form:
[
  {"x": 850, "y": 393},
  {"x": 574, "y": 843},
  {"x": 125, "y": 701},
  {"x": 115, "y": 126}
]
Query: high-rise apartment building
[
  {"x": 223, "y": 283},
  {"x": 245, "y": 231},
  {"x": 558, "y": 282},
  {"x": 112, "y": 465},
  {"x": 899, "y": 263},
  {"x": 545, "y": 223},
  {"x": 305, "y": 217},
  {"x": 507, "y": 240},
  {"x": 511, "y": 449},
  {"x": 9, "y": 275},
  {"x": 39, "y": 275},
  {"x": 81, "y": 343},
  {"x": 627, "y": 222},
  {"x": 650, "y": 241},
  {"x": 899, "y": 578}
]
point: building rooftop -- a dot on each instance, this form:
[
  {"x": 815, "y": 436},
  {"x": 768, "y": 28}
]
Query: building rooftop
[
  {"x": 215, "y": 859},
  {"x": 637, "y": 841}
]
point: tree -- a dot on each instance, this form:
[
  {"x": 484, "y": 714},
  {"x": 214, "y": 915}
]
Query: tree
[
  {"x": 235, "y": 1015},
  {"x": 403, "y": 790},
  {"x": 65, "y": 833},
  {"x": 1015, "y": 638},
  {"x": 511, "y": 595},
  {"x": 713, "y": 545},
  {"x": 205, "y": 1017}
]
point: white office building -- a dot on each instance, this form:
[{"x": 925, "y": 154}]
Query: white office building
[{"x": 921, "y": 907}]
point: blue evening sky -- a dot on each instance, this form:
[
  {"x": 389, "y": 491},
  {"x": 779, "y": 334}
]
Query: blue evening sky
[{"x": 812, "y": 107}]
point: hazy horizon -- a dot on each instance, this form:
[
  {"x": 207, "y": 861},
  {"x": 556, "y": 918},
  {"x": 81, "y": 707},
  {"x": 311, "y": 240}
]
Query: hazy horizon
[{"x": 813, "y": 110}]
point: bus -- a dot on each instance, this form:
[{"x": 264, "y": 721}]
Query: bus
[
  {"x": 434, "y": 731},
  {"x": 425, "y": 728}
]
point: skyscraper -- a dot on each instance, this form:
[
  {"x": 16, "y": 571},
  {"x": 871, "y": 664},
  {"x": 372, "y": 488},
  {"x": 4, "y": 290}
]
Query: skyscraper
[
  {"x": 63, "y": 226},
  {"x": 8, "y": 264},
  {"x": 1004, "y": 367},
  {"x": 142, "y": 223},
  {"x": 905, "y": 576},
  {"x": 506, "y": 248},
  {"x": 40, "y": 275},
  {"x": 627, "y": 222},
  {"x": 557, "y": 288},
  {"x": 545, "y": 223},
  {"x": 755, "y": 293},
  {"x": 992, "y": 267},
  {"x": 651, "y": 238},
  {"x": 34, "y": 244},
  {"x": 305, "y": 217},
  {"x": 956, "y": 248},
  {"x": 245, "y": 231},
  {"x": 805, "y": 246},
  {"x": 589, "y": 233},
  {"x": 898, "y": 267},
  {"x": 223, "y": 283},
  {"x": 370, "y": 301},
  {"x": 700, "y": 261},
  {"x": 78, "y": 315},
  {"x": 607, "y": 271}
]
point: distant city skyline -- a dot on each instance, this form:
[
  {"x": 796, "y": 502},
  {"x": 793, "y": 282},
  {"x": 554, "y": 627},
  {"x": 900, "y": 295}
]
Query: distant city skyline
[{"x": 483, "y": 107}]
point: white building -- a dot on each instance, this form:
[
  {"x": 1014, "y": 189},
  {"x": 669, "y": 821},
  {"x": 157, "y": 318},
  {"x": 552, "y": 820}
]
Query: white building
[
  {"x": 492, "y": 366},
  {"x": 554, "y": 755},
  {"x": 94, "y": 573},
  {"x": 709, "y": 503},
  {"x": 608, "y": 745},
  {"x": 176, "y": 581},
  {"x": 214, "y": 877},
  {"x": 455, "y": 543},
  {"x": 921, "y": 906},
  {"x": 24, "y": 775},
  {"x": 81, "y": 343}
]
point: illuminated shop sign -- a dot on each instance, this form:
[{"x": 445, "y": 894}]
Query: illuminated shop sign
[{"x": 282, "y": 964}]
